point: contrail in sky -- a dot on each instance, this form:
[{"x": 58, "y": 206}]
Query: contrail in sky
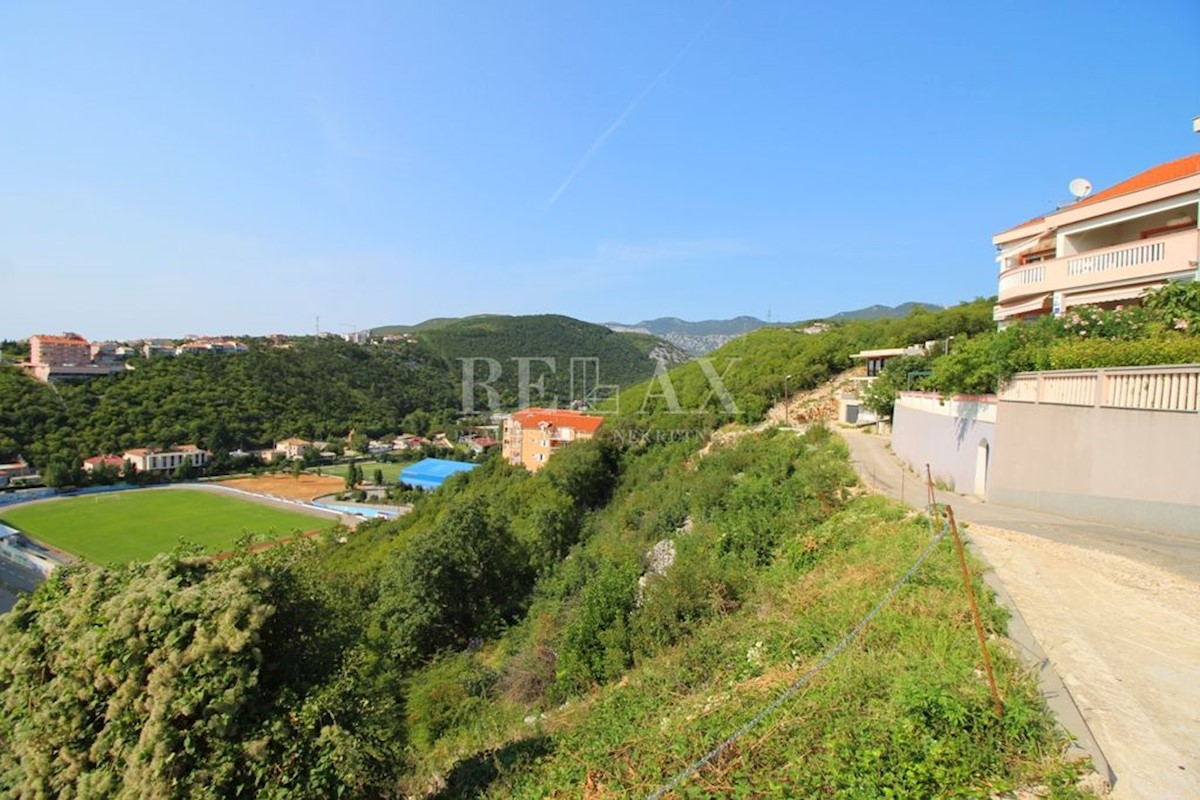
[{"x": 611, "y": 129}]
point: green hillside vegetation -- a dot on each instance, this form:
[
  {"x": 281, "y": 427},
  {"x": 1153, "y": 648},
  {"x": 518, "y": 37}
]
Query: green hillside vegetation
[
  {"x": 878, "y": 311},
  {"x": 624, "y": 358},
  {"x": 136, "y": 526},
  {"x": 753, "y": 367},
  {"x": 495, "y": 642},
  {"x": 591, "y": 629},
  {"x": 317, "y": 389}
]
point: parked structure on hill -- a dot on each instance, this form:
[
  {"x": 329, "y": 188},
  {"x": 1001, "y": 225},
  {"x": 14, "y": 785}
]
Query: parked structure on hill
[
  {"x": 66, "y": 357},
  {"x": 11, "y": 473},
  {"x": 850, "y": 407},
  {"x": 1105, "y": 248},
  {"x": 533, "y": 435},
  {"x": 292, "y": 448},
  {"x": 149, "y": 459},
  {"x": 99, "y": 462}
]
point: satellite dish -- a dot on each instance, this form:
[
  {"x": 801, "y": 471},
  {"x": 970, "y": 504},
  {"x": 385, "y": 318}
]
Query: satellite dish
[{"x": 1080, "y": 187}]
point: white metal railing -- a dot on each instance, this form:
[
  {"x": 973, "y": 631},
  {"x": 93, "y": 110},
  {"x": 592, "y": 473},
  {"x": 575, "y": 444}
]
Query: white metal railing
[
  {"x": 1146, "y": 253},
  {"x": 1161, "y": 388},
  {"x": 1023, "y": 277}
]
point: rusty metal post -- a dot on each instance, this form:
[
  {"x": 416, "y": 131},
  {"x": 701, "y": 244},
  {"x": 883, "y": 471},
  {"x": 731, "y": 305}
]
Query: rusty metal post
[
  {"x": 933, "y": 509},
  {"x": 987, "y": 659}
]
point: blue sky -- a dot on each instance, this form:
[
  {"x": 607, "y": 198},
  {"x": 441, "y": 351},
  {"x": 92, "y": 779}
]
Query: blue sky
[{"x": 245, "y": 167}]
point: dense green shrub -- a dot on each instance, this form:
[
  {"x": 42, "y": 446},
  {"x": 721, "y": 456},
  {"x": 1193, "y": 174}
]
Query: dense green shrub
[
  {"x": 595, "y": 645},
  {"x": 188, "y": 678},
  {"x": 1091, "y": 353},
  {"x": 447, "y": 694},
  {"x": 698, "y": 586}
]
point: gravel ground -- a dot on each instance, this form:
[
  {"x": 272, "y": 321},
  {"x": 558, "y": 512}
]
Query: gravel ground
[{"x": 1125, "y": 638}]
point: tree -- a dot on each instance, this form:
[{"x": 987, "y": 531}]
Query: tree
[
  {"x": 418, "y": 422},
  {"x": 353, "y": 475},
  {"x": 461, "y": 580},
  {"x": 898, "y": 375},
  {"x": 1176, "y": 306},
  {"x": 185, "y": 471},
  {"x": 378, "y": 476},
  {"x": 182, "y": 678},
  {"x": 64, "y": 472}
]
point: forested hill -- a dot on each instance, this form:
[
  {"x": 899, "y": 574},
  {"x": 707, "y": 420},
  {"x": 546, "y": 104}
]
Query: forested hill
[
  {"x": 622, "y": 358},
  {"x": 317, "y": 388},
  {"x": 314, "y": 389}
]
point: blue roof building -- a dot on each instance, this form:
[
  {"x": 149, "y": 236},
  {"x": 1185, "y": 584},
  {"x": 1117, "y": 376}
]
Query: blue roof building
[{"x": 432, "y": 472}]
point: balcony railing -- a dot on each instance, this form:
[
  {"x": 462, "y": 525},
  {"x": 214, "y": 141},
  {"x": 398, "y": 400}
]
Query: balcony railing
[
  {"x": 1116, "y": 259},
  {"x": 1147, "y": 258},
  {"x": 1167, "y": 388}
]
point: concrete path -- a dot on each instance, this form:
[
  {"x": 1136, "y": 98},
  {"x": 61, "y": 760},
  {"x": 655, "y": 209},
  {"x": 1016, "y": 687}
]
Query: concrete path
[{"x": 1114, "y": 612}]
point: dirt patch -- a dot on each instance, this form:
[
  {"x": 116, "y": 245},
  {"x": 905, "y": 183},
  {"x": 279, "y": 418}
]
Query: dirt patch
[
  {"x": 291, "y": 487},
  {"x": 816, "y": 405},
  {"x": 258, "y": 548}
]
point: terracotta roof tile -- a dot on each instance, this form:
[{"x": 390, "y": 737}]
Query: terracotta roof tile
[
  {"x": 1023, "y": 224},
  {"x": 1164, "y": 173},
  {"x": 1155, "y": 176},
  {"x": 585, "y": 423},
  {"x": 44, "y": 339}
]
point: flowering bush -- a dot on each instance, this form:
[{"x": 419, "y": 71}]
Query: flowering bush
[{"x": 1123, "y": 322}]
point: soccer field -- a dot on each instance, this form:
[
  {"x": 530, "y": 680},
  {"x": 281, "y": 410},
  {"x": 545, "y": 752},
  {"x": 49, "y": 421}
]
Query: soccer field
[{"x": 138, "y": 525}]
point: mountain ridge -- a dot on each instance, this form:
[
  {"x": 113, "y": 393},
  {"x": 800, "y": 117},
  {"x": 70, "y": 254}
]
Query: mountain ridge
[{"x": 704, "y": 336}]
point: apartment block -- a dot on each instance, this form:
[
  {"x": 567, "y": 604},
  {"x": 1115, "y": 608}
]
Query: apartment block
[
  {"x": 65, "y": 357},
  {"x": 533, "y": 435},
  {"x": 1104, "y": 249}
]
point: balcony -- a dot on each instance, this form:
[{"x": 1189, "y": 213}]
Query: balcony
[{"x": 1145, "y": 258}]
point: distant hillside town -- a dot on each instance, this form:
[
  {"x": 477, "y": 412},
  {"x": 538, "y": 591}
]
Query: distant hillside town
[{"x": 70, "y": 356}]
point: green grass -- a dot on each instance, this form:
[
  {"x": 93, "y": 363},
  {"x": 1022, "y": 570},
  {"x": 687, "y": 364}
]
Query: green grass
[
  {"x": 138, "y": 525},
  {"x": 391, "y": 472},
  {"x": 902, "y": 712}
]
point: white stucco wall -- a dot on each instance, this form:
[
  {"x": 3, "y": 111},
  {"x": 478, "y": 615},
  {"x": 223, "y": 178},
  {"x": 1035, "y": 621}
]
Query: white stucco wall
[{"x": 955, "y": 437}]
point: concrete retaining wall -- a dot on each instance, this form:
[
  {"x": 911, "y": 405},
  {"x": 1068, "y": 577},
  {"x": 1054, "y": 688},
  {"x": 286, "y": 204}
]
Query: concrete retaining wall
[
  {"x": 955, "y": 437},
  {"x": 1131, "y": 467}
]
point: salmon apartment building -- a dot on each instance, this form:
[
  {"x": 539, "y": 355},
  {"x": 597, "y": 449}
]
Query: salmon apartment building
[
  {"x": 533, "y": 435},
  {"x": 1104, "y": 249}
]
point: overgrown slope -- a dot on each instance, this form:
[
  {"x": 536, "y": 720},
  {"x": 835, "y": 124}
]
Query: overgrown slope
[{"x": 588, "y": 630}]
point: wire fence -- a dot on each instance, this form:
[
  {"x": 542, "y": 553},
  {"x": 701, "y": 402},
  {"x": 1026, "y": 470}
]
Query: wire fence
[{"x": 938, "y": 533}]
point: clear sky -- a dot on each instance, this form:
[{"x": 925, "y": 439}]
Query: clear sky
[{"x": 245, "y": 167}]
